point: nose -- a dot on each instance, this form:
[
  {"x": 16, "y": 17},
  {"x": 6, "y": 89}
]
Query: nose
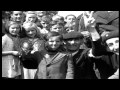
[
  {"x": 72, "y": 42},
  {"x": 30, "y": 32},
  {"x": 116, "y": 46},
  {"x": 54, "y": 43},
  {"x": 18, "y": 15}
]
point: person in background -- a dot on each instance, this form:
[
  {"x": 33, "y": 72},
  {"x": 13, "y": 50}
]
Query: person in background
[
  {"x": 40, "y": 14},
  {"x": 57, "y": 26},
  {"x": 31, "y": 17},
  {"x": 17, "y": 16},
  {"x": 10, "y": 51},
  {"x": 70, "y": 22},
  {"x": 45, "y": 21}
]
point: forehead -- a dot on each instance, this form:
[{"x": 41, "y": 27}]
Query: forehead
[
  {"x": 70, "y": 16},
  {"x": 31, "y": 15},
  {"x": 14, "y": 25},
  {"x": 30, "y": 29},
  {"x": 57, "y": 25},
  {"x": 17, "y": 12},
  {"x": 111, "y": 40},
  {"x": 54, "y": 38},
  {"x": 71, "y": 39}
]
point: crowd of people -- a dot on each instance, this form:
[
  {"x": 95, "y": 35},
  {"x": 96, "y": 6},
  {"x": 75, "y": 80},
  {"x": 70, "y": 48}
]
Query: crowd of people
[{"x": 40, "y": 46}]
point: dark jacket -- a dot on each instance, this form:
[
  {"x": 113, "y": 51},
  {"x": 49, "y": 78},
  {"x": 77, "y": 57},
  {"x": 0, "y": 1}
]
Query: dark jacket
[
  {"x": 83, "y": 65},
  {"x": 107, "y": 63},
  {"x": 59, "y": 67}
]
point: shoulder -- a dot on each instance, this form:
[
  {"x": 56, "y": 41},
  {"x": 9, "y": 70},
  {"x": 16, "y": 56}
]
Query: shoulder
[{"x": 5, "y": 37}]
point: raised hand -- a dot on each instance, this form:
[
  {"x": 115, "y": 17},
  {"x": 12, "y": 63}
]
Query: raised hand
[{"x": 88, "y": 19}]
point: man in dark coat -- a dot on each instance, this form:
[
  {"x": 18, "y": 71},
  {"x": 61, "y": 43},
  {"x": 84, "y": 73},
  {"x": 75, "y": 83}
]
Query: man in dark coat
[
  {"x": 108, "y": 63},
  {"x": 82, "y": 61}
]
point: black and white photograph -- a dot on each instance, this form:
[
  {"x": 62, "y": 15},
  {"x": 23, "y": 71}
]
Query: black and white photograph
[{"x": 60, "y": 44}]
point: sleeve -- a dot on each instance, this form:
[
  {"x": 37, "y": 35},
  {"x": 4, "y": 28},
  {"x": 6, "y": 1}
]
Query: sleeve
[
  {"x": 115, "y": 75},
  {"x": 3, "y": 41},
  {"x": 97, "y": 48},
  {"x": 70, "y": 69}
]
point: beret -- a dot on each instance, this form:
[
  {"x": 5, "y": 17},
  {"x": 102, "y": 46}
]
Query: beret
[
  {"x": 72, "y": 35},
  {"x": 109, "y": 27},
  {"x": 112, "y": 34}
]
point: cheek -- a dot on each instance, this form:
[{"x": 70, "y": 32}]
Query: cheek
[{"x": 111, "y": 47}]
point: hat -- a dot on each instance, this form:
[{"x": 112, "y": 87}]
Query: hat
[
  {"x": 72, "y": 35},
  {"x": 112, "y": 34}
]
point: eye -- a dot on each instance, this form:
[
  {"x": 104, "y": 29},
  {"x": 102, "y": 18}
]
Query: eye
[
  {"x": 110, "y": 44},
  {"x": 117, "y": 41}
]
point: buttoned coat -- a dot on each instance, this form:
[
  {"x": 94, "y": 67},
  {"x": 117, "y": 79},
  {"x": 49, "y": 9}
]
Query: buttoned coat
[{"x": 58, "y": 67}]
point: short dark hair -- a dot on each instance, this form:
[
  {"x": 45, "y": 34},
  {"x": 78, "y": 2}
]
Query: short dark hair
[
  {"x": 56, "y": 23},
  {"x": 52, "y": 34}
]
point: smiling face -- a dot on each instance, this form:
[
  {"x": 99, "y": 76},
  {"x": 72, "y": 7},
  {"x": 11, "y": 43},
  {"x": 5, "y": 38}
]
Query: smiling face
[
  {"x": 54, "y": 42},
  {"x": 17, "y": 16},
  {"x": 14, "y": 29},
  {"x": 113, "y": 44},
  {"x": 73, "y": 44},
  {"x": 31, "y": 32}
]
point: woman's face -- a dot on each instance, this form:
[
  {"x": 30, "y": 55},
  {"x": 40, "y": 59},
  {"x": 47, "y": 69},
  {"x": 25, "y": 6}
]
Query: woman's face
[
  {"x": 31, "y": 32},
  {"x": 31, "y": 18},
  {"x": 14, "y": 29},
  {"x": 54, "y": 42},
  {"x": 17, "y": 16},
  {"x": 113, "y": 44},
  {"x": 73, "y": 44}
]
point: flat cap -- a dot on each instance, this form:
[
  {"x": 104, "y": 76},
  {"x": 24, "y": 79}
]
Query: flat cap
[{"x": 72, "y": 35}]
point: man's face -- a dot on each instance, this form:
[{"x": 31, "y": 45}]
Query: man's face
[
  {"x": 113, "y": 44},
  {"x": 74, "y": 44},
  {"x": 70, "y": 19},
  {"x": 17, "y": 16}
]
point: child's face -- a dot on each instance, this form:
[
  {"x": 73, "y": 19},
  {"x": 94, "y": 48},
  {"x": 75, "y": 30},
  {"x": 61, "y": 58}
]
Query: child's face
[
  {"x": 17, "y": 15},
  {"x": 40, "y": 14},
  {"x": 70, "y": 19},
  {"x": 31, "y": 32},
  {"x": 44, "y": 24},
  {"x": 57, "y": 28},
  {"x": 113, "y": 44},
  {"x": 31, "y": 18},
  {"x": 14, "y": 29},
  {"x": 54, "y": 42},
  {"x": 74, "y": 44}
]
